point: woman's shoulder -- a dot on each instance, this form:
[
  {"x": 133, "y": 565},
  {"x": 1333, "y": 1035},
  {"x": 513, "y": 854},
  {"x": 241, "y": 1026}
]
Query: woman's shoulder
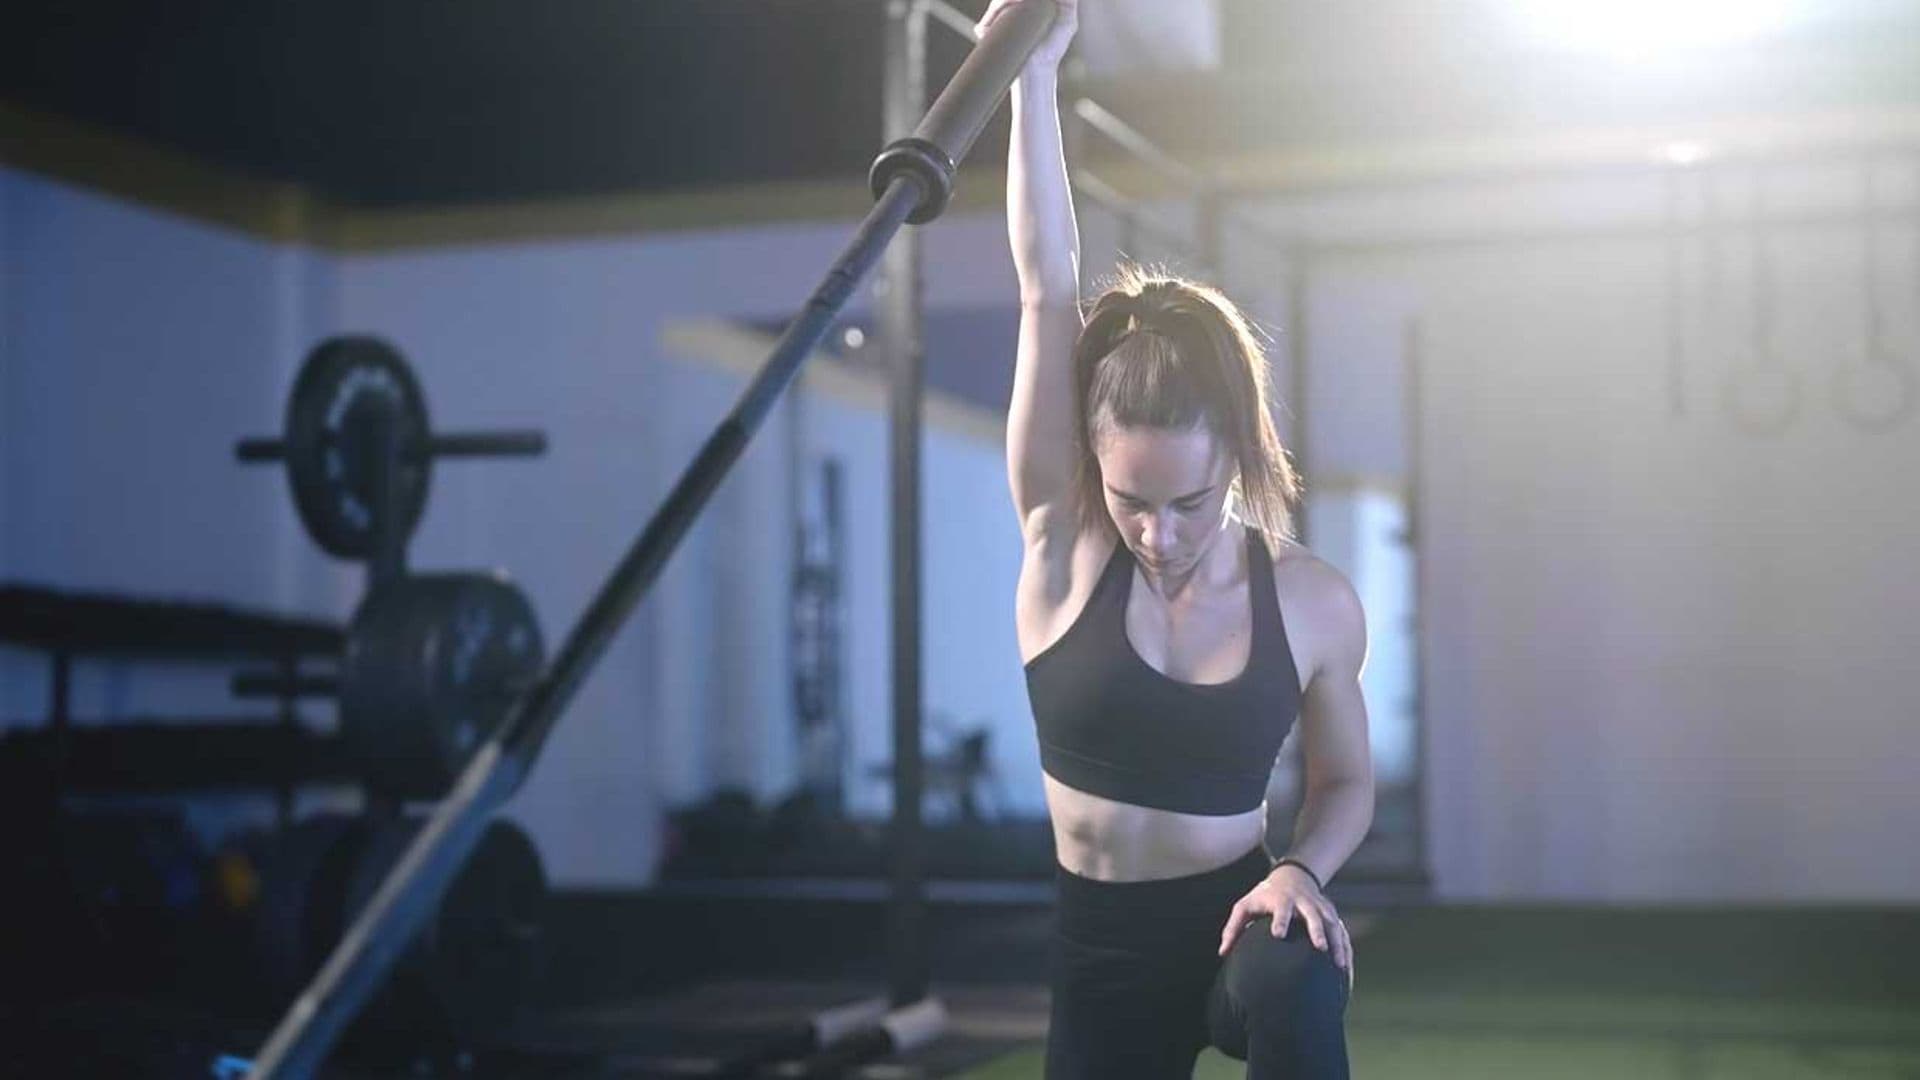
[
  {"x": 1305, "y": 576},
  {"x": 1320, "y": 605}
]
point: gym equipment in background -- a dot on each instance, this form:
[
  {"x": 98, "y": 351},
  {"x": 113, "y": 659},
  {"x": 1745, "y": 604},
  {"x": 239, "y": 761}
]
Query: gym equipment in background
[
  {"x": 433, "y": 662},
  {"x": 913, "y": 178},
  {"x": 359, "y": 450}
]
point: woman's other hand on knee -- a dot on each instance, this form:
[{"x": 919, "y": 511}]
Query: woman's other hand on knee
[{"x": 1288, "y": 893}]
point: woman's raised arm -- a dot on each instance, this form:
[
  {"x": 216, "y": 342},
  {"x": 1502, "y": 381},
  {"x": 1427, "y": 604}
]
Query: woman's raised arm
[{"x": 1046, "y": 256}]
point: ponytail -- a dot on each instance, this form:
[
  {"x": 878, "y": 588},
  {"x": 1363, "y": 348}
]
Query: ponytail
[{"x": 1159, "y": 351}]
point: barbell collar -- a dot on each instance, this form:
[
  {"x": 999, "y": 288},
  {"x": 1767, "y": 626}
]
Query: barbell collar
[{"x": 922, "y": 162}]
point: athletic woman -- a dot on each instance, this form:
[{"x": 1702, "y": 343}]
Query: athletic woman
[{"x": 1172, "y": 633}]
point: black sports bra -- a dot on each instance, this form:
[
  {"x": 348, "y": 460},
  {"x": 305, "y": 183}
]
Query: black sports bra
[{"x": 1112, "y": 725}]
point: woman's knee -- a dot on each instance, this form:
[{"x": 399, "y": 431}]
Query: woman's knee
[{"x": 1285, "y": 978}]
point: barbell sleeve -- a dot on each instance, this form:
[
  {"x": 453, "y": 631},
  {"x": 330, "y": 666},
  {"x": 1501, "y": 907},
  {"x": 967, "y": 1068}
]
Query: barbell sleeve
[
  {"x": 254, "y": 450},
  {"x": 488, "y": 444},
  {"x": 947, "y": 132}
]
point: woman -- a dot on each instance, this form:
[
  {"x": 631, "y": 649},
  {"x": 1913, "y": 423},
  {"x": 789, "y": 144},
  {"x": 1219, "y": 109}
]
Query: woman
[{"x": 1154, "y": 497}]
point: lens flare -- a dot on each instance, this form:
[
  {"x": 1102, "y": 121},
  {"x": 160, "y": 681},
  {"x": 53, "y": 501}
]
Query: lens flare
[{"x": 1641, "y": 28}]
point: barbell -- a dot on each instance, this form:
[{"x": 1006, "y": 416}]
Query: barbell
[{"x": 356, "y": 410}]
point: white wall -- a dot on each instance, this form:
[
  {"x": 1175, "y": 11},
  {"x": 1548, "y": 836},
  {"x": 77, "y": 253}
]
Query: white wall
[
  {"x": 140, "y": 347},
  {"x": 1665, "y": 656},
  {"x": 135, "y": 349}
]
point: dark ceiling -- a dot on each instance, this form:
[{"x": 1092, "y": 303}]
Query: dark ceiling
[{"x": 386, "y": 103}]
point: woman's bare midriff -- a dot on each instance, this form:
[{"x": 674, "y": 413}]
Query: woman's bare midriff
[{"x": 1113, "y": 841}]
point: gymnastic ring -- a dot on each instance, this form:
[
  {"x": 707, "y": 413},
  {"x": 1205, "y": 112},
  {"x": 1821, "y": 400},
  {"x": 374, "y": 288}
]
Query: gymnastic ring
[
  {"x": 1845, "y": 400},
  {"x": 1753, "y": 421}
]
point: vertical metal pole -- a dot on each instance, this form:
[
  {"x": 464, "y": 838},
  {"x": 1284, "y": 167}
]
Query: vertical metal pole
[
  {"x": 1299, "y": 384},
  {"x": 899, "y": 303},
  {"x": 833, "y": 634},
  {"x": 1209, "y": 214},
  {"x": 1676, "y": 309},
  {"x": 1412, "y": 376}
]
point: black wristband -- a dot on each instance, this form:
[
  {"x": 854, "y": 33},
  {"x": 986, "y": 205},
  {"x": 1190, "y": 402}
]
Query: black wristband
[{"x": 1303, "y": 868}]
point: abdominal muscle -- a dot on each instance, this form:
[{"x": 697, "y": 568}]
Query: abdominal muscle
[{"x": 1106, "y": 840}]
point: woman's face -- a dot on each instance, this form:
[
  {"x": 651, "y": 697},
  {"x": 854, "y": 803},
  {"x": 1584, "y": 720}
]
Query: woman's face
[{"x": 1166, "y": 491}]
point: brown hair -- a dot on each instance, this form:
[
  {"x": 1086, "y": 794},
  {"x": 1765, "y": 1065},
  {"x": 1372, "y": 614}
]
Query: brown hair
[{"x": 1160, "y": 351}]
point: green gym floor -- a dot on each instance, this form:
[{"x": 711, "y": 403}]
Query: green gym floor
[{"x": 1572, "y": 994}]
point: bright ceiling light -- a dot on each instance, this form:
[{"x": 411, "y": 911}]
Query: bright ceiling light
[
  {"x": 1683, "y": 152},
  {"x": 1639, "y": 28}
]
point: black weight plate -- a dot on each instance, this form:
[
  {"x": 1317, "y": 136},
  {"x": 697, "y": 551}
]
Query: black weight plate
[
  {"x": 384, "y": 704},
  {"x": 433, "y": 665},
  {"x": 303, "y": 882},
  {"x": 329, "y": 460},
  {"x": 480, "y": 652},
  {"x": 490, "y": 937},
  {"x": 466, "y": 973}
]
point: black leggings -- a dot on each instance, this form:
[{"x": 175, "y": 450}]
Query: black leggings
[{"x": 1139, "y": 988}]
